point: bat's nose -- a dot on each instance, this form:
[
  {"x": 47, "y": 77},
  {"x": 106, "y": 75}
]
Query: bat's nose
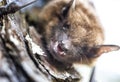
[{"x": 64, "y": 44}]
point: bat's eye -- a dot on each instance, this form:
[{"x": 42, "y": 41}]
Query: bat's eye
[{"x": 66, "y": 27}]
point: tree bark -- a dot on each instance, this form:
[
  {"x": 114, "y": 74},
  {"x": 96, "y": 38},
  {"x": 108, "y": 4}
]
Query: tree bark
[{"x": 21, "y": 56}]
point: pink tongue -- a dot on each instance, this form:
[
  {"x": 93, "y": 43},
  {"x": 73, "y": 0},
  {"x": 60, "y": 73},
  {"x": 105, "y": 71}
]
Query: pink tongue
[{"x": 60, "y": 50}]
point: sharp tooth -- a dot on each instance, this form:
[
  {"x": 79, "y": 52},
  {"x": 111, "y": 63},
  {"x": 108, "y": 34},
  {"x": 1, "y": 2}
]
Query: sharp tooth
[{"x": 62, "y": 53}]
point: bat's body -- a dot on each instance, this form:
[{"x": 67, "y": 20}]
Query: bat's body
[{"x": 72, "y": 32}]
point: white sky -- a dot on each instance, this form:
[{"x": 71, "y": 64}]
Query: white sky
[{"x": 109, "y": 14}]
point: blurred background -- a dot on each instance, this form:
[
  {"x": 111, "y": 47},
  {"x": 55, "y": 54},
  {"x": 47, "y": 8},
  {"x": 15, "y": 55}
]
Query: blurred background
[{"x": 108, "y": 67}]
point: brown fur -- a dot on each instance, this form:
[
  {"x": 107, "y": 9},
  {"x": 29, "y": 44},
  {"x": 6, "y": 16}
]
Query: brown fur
[{"x": 72, "y": 28}]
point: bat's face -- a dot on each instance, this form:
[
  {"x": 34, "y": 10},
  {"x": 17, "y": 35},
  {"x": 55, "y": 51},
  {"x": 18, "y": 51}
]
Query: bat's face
[
  {"x": 78, "y": 37},
  {"x": 73, "y": 40}
]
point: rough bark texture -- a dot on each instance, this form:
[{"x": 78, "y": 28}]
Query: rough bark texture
[{"x": 21, "y": 55}]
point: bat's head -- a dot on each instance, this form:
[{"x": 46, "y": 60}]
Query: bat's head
[{"x": 78, "y": 37}]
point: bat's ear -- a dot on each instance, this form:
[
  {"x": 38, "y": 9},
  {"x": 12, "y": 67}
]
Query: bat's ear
[
  {"x": 74, "y": 4},
  {"x": 70, "y": 5},
  {"x": 66, "y": 9},
  {"x": 100, "y": 49}
]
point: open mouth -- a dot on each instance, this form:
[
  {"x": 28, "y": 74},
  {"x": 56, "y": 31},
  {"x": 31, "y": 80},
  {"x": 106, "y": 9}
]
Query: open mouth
[{"x": 57, "y": 48}]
